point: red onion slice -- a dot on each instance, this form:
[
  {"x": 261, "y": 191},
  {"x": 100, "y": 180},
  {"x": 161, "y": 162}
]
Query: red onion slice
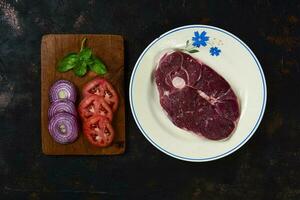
[
  {"x": 62, "y": 89},
  {"x": 62, "y": 106},
  {"x": 63, "y": 128}
]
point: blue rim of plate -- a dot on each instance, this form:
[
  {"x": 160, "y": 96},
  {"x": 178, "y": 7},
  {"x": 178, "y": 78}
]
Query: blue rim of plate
[{"x": 227, "y": 152}]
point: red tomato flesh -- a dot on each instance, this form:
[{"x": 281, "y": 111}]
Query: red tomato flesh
[
  {"x": 94, "y": 105},
  {"x": 102, "y": 88},
  {"x": 98, "y": 131}
]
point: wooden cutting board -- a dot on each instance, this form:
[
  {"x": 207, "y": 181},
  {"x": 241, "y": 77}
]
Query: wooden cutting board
[{"x": 110, "y": 49}]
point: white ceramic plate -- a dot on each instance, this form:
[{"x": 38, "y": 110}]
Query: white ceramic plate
[{"x": 236, "y": 63}]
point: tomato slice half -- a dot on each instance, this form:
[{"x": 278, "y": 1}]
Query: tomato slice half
[
  {"x": 94, "y": 105},
  {"x": 102, "y": 88},
  {"x": 98, "y": 131}
]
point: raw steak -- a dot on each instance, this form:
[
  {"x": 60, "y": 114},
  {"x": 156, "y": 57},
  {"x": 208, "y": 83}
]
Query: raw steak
[{"x": 195, "y": 97}]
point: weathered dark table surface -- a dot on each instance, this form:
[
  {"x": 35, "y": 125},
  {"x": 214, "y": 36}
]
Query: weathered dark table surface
[{"x": 267, "y": 167}]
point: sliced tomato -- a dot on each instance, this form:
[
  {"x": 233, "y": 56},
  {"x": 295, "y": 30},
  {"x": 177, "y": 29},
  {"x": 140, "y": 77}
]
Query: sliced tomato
[
  {"x": 102, "y": 88},
  {"x": 94, "y": 105},
  {"x": 98, "y": 131}
]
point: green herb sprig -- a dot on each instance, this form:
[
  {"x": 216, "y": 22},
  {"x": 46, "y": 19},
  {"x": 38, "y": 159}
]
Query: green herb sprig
[{"x": 82, "y": 62}]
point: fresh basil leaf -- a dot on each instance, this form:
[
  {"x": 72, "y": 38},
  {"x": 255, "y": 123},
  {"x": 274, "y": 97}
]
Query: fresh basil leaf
[
  {"x": 85, "y": 54},
  {"x": 193, "y": 51},
  {"x": 97, "y": 66},
  {"x": 81, "y": 69},
  {"x": 68, "y": 62},
  {"x": 80, "y": 62},
  {"x": 90, "y": 61}
]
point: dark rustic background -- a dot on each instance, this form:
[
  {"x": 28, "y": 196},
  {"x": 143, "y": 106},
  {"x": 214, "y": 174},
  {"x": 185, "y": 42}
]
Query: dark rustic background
[{"x": 267, "y": 167}]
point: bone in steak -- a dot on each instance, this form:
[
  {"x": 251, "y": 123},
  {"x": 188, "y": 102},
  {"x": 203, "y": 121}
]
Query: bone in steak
[{"x": 195, "y": 97}]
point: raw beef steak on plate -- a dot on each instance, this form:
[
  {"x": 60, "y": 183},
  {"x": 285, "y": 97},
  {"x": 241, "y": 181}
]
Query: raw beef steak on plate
[{"x": 195, "y": 97}]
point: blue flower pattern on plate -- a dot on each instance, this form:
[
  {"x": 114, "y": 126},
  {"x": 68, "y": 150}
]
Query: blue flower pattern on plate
[
  {"x": 215, "y": 51},
  {"x": 200, "y": 39}
]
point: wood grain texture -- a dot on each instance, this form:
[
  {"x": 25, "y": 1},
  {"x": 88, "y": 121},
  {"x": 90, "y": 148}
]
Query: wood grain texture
[{"x": 111, "y": 51}]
